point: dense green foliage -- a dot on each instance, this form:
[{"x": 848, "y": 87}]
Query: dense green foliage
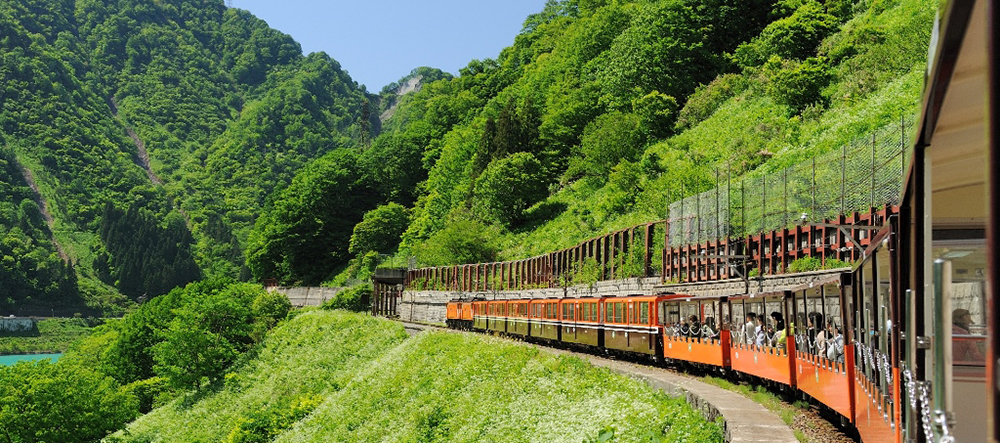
[
  {"x": 188, "y": 336},
  {"x": 350, "y": 377},
  {"x": 155, "y": 132},
  {"x": 33, "y": 274},
  {"x": 306, "y": 233},
  {"x": 60, "y": 403},
  {"x": 601, "y": 114},
  {"x": 379, "y": 230}
]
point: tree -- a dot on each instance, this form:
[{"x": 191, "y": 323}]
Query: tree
[
  {"x": 794, "y": 37},
  {"x": 209, "y": 332},
  {"x": 380, "y": 229},
  {"x": 508, "y": 187},
  {"x": 609, "y": 139}
]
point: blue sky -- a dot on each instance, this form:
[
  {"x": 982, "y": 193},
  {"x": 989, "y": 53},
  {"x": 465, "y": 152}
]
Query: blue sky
[{"x": 380, "y": 41}]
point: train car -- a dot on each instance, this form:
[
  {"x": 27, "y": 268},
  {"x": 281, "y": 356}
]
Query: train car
[
  {"x": 765, "y": 354},
  {"x": 518, "y": 319},
  {"x": 819, "y": 361},
  {"x": 581, "y": 321},
  {"x": 942, "y": 252},
  {"x": 480, "y": 315},
  {"x": 496, "y": 316},
  {"x": 543, "y": 319},
  {"x": 631, "y": 324},
  {"x": 696, "y": 330},
  {"x": 459, "y": 313}
]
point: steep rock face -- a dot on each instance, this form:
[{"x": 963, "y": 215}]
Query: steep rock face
[{"x": 412, "y": 84}]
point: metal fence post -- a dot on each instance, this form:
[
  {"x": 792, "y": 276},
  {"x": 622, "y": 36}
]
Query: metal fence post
[
  {"x": 812, "y": 212},
  {"x": 843, "y": 181},
  {"x": 874, "y": 148}
]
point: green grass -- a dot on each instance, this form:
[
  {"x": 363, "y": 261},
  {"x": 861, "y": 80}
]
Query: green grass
[
  {"x": 371, "y": 383},
  {"x": 55, "y": 335},
  {"x": 318, "y": 352}
]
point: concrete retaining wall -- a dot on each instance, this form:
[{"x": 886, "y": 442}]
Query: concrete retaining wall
[
  {"x": 307, "y": 296},
  {"x": 17, "y": 325}
]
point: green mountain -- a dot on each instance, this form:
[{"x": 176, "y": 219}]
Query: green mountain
[
  {"x": 181, "y": 139},
  {"x": 602, "y": 113},
  {"x": 154, "y": 132}
]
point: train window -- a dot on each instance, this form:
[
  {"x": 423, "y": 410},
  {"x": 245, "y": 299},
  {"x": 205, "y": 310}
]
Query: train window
[
  {"x": 618, "y": 312},
  {"x": 609, "y": 312},
  {"x": 644, "y": 313},
  {"x": 968, "y": 298},
  {"x": 632, "y": 317}
]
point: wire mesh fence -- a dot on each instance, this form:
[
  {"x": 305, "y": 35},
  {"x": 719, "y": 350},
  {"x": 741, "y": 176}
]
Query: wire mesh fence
[{"x": 866, "y": 173}]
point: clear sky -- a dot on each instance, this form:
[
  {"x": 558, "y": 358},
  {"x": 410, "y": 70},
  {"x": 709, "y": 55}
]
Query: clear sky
[{"x": 380, "y": 41}]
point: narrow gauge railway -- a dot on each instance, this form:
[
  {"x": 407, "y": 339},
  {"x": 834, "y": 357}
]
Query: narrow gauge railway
[{"x": 903, "y": 346}]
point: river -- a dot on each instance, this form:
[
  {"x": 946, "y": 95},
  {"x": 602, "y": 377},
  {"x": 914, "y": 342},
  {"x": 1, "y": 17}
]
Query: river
[{"x": 8, "y": 360}]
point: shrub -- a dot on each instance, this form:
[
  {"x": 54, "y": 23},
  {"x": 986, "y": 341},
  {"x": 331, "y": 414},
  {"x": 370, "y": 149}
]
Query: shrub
[
  {"x": 793, "y": 37},
  {"x": 797, "y": 84},
  {"x": 461, "y": 241},
  {"x": 703, "y": 102},
  {"x": 356, "y": 298},
  {"x": 261, "y": 426},
  {"x": 606, "y": 141}
]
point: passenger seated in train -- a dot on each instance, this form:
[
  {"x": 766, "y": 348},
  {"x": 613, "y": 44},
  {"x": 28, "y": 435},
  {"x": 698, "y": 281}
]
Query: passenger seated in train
[
  {"x": 750, "y": 329},
  {"x": 817, "y": 332},
  {"x": 835, "y": 345},
  {"x": 694, "y": 327},
  {"x": 760, "y": 332},
  {"x": 708, "y": 331},
  {"x": 779, "y": 338},
  {"x": 964, "y": 347}
]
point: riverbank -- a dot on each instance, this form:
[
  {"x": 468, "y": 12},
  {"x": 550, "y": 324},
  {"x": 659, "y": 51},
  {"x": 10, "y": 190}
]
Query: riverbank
[{"x": 55, "y": 335}]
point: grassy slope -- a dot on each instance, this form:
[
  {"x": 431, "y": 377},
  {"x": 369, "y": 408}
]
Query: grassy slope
[
  {"x": 873, "y": 88},
  {"x": 377, "y": 385},
  {"x": 55, "y": 335}
]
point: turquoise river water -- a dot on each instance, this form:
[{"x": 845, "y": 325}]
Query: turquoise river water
[{"x": 8, "y": 360}]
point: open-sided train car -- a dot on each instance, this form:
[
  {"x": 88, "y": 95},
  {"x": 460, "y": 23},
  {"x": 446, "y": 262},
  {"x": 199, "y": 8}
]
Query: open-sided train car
[{"x": 695, "y": 330}]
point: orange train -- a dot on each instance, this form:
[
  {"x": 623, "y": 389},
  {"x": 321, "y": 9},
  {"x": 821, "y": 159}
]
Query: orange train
[
  {"x": 905, "y": 346},
  {"x": 701, "y": 331}
]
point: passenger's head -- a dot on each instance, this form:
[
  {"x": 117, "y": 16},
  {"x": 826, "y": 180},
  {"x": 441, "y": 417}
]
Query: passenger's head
[
  {"x": 961, "y": 317},
  {"x": 751, "y": 316},
  {"x": 779, "y": 321},
  {"x": 816, "y": 319}
]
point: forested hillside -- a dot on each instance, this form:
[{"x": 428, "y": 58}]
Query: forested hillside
[
  {"x": 181, "y": 139},
  {"x": 599, "y": 115},
  {"x": 155, "y": 132}
]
